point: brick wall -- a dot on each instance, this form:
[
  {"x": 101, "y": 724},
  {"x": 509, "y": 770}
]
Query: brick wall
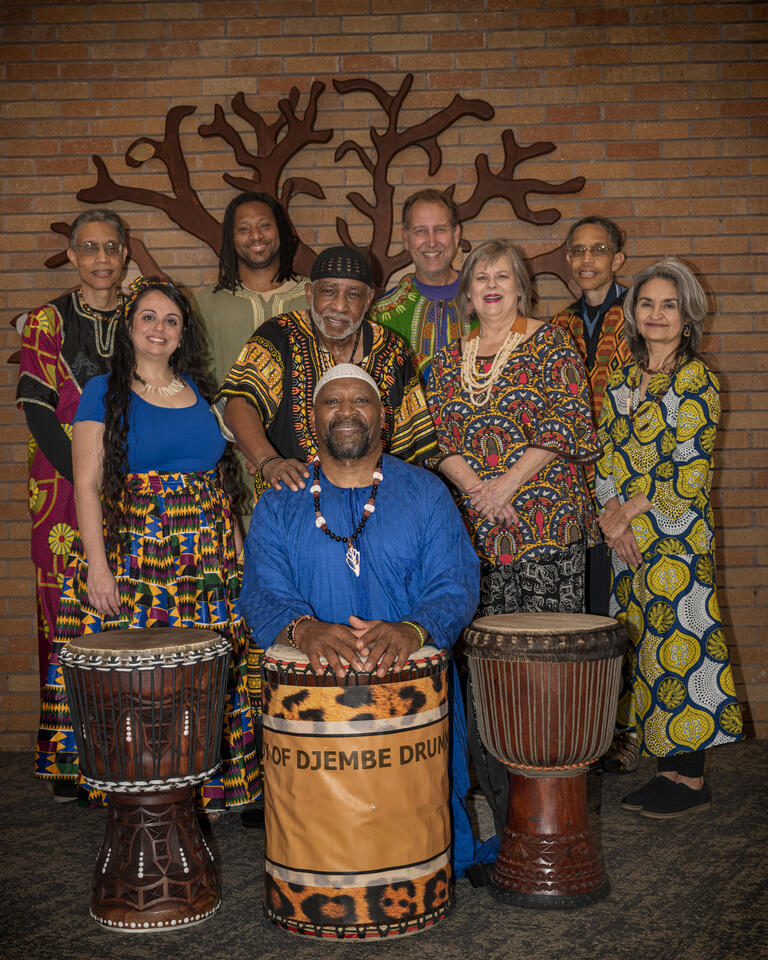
[{"x": 657, "y": 105}]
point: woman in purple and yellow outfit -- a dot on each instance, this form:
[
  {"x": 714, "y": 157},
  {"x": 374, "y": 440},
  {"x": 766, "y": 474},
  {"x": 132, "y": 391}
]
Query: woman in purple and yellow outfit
[
  {"x": 511, "y": 406},
  {"x": 154, "y": 484}
]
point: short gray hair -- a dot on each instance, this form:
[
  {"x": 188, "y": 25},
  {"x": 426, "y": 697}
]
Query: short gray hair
[
  {"x": 99, "y": 215},
  {"x": 490, "y": 252},
  {"x": 692, "y": 303}
]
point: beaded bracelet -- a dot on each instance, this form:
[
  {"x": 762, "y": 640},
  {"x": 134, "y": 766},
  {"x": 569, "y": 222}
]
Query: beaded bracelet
[
  {"x": 291, "y": 628},
  {"x": 266, "y": 460},
  {"x": 419, "y": 629}
]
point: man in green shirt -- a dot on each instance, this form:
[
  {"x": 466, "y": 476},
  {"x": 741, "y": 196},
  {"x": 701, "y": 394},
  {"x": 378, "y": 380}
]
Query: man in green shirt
[
  {"x": 256, "y": 278},
  {"x": 422, "y": 306}
]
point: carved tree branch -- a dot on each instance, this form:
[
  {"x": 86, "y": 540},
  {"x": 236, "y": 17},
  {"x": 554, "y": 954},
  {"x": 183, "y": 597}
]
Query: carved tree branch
[
  {"x": 386, "y": 147},
  {"x": 273, "y": 151}
]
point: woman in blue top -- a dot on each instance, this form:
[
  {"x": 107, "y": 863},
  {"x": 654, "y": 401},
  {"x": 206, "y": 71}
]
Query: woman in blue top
[{"x": 154, "y": 489}]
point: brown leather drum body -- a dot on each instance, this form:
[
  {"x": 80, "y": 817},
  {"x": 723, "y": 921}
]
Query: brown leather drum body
[
  {"x": 356, "y": 798},
  {"x": 147, "y": 709},
  {"x": 546, "y": 688}
]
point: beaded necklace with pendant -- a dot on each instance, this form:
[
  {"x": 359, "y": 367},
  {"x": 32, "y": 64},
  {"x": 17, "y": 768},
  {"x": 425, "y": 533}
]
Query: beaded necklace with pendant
[{"x": 352, "y": 555}]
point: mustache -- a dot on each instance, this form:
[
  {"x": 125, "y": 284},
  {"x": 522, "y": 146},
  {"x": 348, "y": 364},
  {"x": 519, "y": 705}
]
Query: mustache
[{"x": 346, "y": 421}]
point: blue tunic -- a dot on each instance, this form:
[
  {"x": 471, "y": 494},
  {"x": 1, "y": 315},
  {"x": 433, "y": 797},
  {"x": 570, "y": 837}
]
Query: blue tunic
[{"x": 416, "y": 563}]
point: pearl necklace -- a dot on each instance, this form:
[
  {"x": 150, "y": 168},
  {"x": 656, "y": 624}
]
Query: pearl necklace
[
  {"x": 352, "y": 555},
  {"x": 477, "y": 385},
  {"x": 169, "y": 390}
]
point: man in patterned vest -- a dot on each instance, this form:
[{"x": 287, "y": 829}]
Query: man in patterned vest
[
  {"x": 422, "y": 306},
  {"x": 596, "y": 324}
]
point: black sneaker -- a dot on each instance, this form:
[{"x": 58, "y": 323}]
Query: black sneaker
[
  {"x": 681, "y": 801},
  {"x": 655, "y": 789}
]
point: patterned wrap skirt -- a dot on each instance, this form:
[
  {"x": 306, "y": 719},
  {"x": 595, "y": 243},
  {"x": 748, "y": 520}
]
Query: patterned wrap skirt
[
  {"x": 678, "y": 692},
  {"x": 177, "y": 568}
]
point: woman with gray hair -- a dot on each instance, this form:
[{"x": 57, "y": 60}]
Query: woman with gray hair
[
  {"x": 510, "y": 402},
  {"x": 657, "y": 429}
]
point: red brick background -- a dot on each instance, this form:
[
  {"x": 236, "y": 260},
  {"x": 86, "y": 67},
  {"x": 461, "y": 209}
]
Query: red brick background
[{"x": 659, "y": 106}]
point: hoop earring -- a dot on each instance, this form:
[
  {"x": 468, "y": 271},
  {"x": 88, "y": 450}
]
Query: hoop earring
[{"x": 687, "y": 330}]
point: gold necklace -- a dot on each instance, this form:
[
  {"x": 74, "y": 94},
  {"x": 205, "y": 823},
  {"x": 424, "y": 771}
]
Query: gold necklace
[{"x": 478, "y": 386}]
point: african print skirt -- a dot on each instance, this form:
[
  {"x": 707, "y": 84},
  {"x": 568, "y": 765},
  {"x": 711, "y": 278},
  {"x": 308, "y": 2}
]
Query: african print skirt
[
  {"x": 178, "y": 568},
  {"x": 678, "y": 692}
]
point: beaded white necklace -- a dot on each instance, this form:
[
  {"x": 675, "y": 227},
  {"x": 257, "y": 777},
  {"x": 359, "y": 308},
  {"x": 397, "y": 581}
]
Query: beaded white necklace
[{"x": 477, "y": 385}]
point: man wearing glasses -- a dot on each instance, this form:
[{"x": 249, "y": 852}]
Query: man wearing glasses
[
  {"x": 64, "y": 344},
  {"x": 596, "y": 324}
]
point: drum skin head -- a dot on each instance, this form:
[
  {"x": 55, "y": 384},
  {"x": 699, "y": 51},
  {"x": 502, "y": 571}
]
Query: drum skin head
[
  {"x": 284, "y": 653},
  {"x": 534, "y": 623},
  {"x": 162, "y": 640}
]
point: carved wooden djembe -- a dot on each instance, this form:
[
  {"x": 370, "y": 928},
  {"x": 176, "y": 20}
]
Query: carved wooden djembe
[
  {"x": 546, "y": 687},
  {"x": 147, "y": 709}
]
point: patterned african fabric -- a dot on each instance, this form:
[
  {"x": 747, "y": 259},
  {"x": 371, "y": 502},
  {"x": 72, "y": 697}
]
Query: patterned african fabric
[
  {"x": 63, "y": 344},
  {"x": 554, "y": 584},
  {"x": 425, "y": 316},
  {"x": 177, "y": 568},
  {"x": 541, "y": 399},
  {"x": 604, "y": 353},
  {"x": 679, "y": 691},
  {"x": 280, "y": 365},
  {"x": 230, "y": 317},
  {"x": 416, "y": 563}
]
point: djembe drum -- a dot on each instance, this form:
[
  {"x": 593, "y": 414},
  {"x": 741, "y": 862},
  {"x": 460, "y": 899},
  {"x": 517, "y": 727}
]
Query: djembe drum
[
  {"x": 147, "y": 708},
  {"x": 546, "y": 687},
  {"x": 356, "y": 795}
]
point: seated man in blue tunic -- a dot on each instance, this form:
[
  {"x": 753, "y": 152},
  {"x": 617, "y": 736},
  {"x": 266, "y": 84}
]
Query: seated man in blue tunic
[{"x": 366, "y": 564}]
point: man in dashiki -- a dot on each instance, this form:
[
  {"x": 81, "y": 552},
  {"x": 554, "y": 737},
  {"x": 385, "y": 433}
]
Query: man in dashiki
[
  {"x": 596, "y": 324},
  {"x": 368, "y": 563},
  {"x": 265, "y": 400},
  {"x": 63, "y": 344},
  {"x": 422, "y": 306}
]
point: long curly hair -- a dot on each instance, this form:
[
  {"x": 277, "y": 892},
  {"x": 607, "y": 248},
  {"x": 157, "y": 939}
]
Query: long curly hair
[
  {"x": 229, "y": 278},
  {"x": 189, "y": 360}
]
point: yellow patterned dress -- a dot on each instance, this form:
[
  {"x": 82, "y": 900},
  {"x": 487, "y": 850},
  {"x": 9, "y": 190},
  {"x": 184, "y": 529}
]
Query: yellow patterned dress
[{"x": 679, "y": 693}]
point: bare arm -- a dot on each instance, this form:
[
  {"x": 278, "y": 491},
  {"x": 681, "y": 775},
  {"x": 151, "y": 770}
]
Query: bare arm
[
  {"x": 245, "y": 423},
  {"x": 616, "y": 524},
  {"x": 87, "y": 455}
]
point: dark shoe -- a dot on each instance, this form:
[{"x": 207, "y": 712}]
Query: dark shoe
[
  {"x": 64, "y": 791},
  {"x": 623, "y": 755},
  {"x": 253, "y": 818},
  {"x": 655, "y": 790},
  {"x": 681, "y": 801}
]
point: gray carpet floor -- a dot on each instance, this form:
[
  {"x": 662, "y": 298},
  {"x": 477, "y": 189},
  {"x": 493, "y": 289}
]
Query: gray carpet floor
[{"x": 688, "y": 889}]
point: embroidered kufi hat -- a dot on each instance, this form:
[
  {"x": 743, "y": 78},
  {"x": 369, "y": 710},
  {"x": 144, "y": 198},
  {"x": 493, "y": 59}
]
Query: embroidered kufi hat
[
  {"x": 345, "y": 370},
  {"x": 341, "y": 263}
]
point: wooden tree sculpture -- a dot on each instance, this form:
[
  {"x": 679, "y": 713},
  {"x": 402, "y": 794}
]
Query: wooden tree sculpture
[
  {"x": 392, "y": 141},
  {"x": 276, "y": 143}
]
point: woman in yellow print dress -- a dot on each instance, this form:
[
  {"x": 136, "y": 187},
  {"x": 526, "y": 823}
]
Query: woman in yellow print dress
[{"x": 657, "y": 427}]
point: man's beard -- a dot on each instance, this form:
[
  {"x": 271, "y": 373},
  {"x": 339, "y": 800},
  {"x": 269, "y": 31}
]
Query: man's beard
[
  {"x": 350, "y": 447},
  {"x": 320, "y": 324}
]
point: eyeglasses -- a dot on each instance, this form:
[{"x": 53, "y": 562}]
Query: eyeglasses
[
  {"x": 598, "y": 250},
  {"x": 90, "y": 249}
]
